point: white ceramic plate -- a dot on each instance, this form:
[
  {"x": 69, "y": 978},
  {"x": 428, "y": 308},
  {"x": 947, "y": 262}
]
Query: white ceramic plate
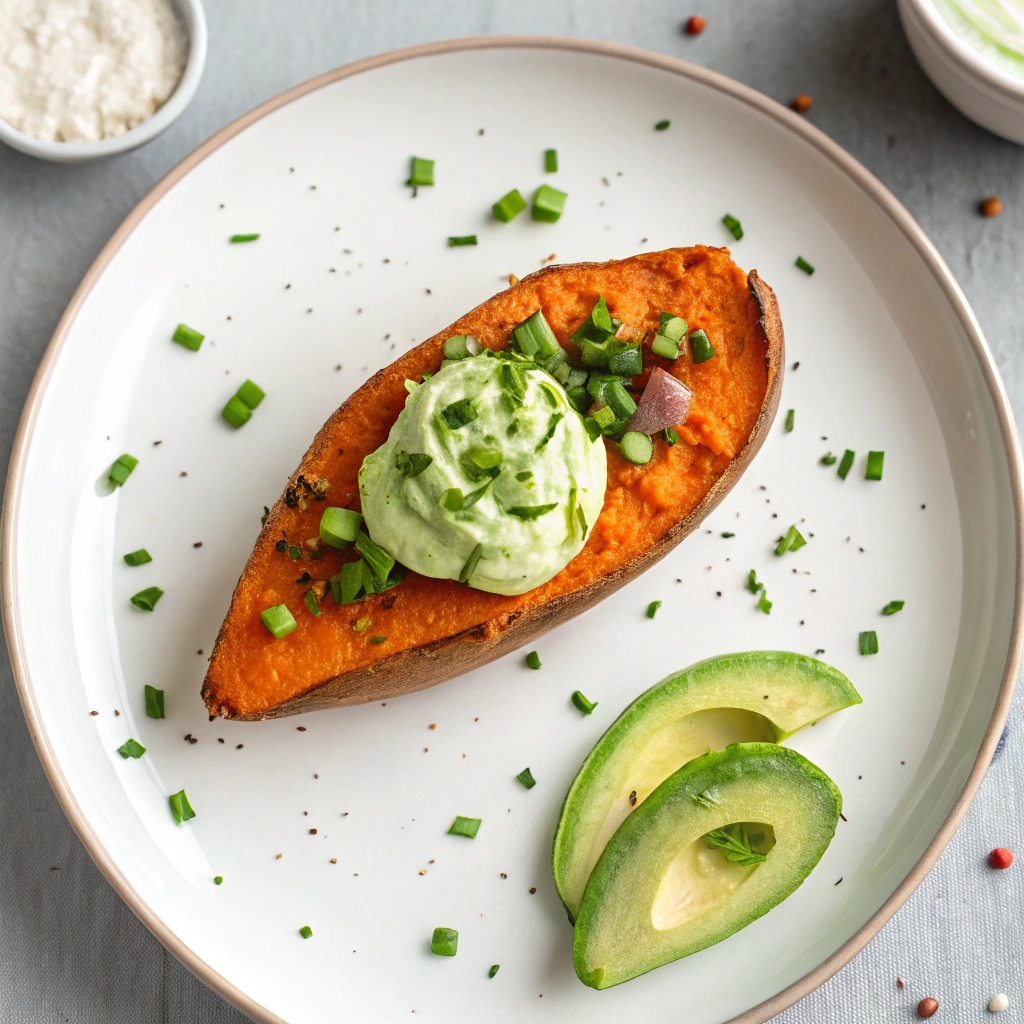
[{"x": 351, "y": 270}]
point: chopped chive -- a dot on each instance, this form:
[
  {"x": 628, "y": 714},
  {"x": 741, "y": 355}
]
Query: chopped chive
[
  {"x": 218, "y": 879},
  {"x": 874, "y": 466},
  {"x": 350, "y": 583},
  {"x": 236, "y": 412},
  {"x": 529, "y": 512},
  {"x": 790, "y": 421},
  {"x": 474, "y": 496},
  {"x": 461, "y": 346},
  {"x": 154, "y": 702},
  {"x": 410, "y": 385},
  {"x": 411, "y": 464},
  {"x": 421, "y": 172},
  {"x": 533, "y": 660},
  {"x": 868, "y": 642},
  {"x": 672, "y": 327},
  {"x": 279, "y": 620},
  {"x": 180, "y": 807},
  {"x": 484, "y": 458},
  {"x": 636, "y": 447},
  {"x": 893, "y": 607},
  {"x": 534, "y": 337},
  {"x": 467, "y": 827},
  {"x": 603, "y": 417},
  {"x": 339, "y": 527},
  {"x": 250, "y": 394},
  {"x": 312, "y": 602},
  {"x": 550, "y": 165},
  {"x": 377, "y": 639},
  {"x": 294, "y": 552},
  {"x": 846, "y": 464},
  {"x": 792, "y": 541},
  {"x": 511, "y": 381},
  {"x": 376, "y": 557},
  {"x": 454, "y": 240},
  {"x": 131, "y": 748},
  {"x": 147, "y": 599},
  {"x": 652, "y": 609},
  {"x": 828, "y": 459},
  {"x": 306, "y": 932},
  {"x": 755, "y": 587},
  {"x": 548, "y": 204},
  {"x": 700, "y": 347},
  {"x": 804, "y": 266},
  {"x": 764, "y": 604},
  {"x": 459, "y": 413},
  {"x": 670, "y": 436},
  {"x": 452, "y": 499},
  {"x": 509, "y": 206},
  {"x": 238, "y": 239},
  {"x": 187, "y": 337},
  {"x": 556, "y": 418},
  {"x": 582, "y": 704},
  {"x": 122, "y": 469},
  {"x": 444, "y": 942},
  {"x": 661, "y": 126},
  {"x": 494, "y": 967},
  {"x": 471, "y": 563},
  {"x": 726, "y": 533},
  {"x": 140, "y": 557},
  {"x": 526, "y": 778},
  {"x": 619, "y": 400},
  {"x": 524, "y": 474},
  {"x": 734, "y": 226},
  {"x": 664, "y": 347}
]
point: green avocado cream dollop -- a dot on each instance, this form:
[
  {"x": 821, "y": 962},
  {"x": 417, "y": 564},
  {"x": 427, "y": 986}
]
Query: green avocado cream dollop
[{"x": 487, "y": 476}]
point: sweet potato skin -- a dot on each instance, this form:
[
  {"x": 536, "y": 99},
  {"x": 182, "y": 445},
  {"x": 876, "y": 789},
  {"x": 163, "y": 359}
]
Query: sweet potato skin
[{"x": 253, "y": 676}]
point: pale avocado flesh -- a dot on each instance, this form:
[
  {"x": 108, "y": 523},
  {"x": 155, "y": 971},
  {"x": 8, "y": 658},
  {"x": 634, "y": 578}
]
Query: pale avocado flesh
[
  {"x": 744, "y": 697},
  {"x": 648, "y": 901}
]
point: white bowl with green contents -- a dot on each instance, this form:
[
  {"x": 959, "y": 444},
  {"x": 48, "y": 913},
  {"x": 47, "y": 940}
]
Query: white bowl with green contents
[{"x": 973, "y": 51}]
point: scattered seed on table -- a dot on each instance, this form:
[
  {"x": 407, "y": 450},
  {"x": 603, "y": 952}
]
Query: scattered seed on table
[
  {"x": 998, "y": 1003},
  {"x": 695, "y": 24},
  {"x": 802, "y": 103},
  {"x": 1000, "y": 857},
  {"x": 991, "y": 207},
  {"x": 927, "y": 1007}
]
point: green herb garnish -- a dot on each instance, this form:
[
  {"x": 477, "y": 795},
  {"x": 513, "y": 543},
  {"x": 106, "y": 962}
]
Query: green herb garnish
[
  {"x": 377, "y": 639},
  {"x": 530, "y": 511},
  {"x": 147, "y": 599},
  {"x": 238, "y": 239},
  {"x": 509, "y": 206},
  {"x": 524, "y": 475},
  {"x": 218, "y": 879},
  {"x": 662, "y": 126},
  {"x": 548, "y": 204},
  {"x": 700, "y": 347},
  {"x": 471, "y": 563},
  {"x": 456, "y": 240},
  {"x": 467, "y": 827},
  {"x": 828, "y": 459},
  {"x": 306, "y": 932},
  {"x": 122, "y": 469},
  {"x": 312, "y": 602},
  {"x": 294, "y": 552},
  {"x": 187, "y": 338},
  {"x": 154, "y": 702},
  {"x": 733, "y": 842},
  {"x": 556, "y": 418},
  {"x": 512, "y": 384},
  {"x": 792, "y": 541},
  {"x": 873, "y": 471},
  {"x": 131, "y": 748},
  {"x": 533, "y": 660},
  {"x": 670, "y": 436},
  {"x": 411, "y": 464},
  {"x": 140, "y": 557},
  {"x": 421, "y": 172},
  {"x": 652, "y": 609},
  {"x": 474, "y": 496},
  {"x": 180, "y": 807},
  {"x": 636, "y": 447},
  {"x": 278, "y": 620},
  {"x": 339, "y": 527},
  {"x": 494, "y": 967},
  {"x": 790, "y": 421},
  {"x": 459, "y": 413},
  {"x": 726, "y": 533},
  {"x": 734, "y": 226},
  {"x": 868, "y": 642},
  {"x": 893, "y": 607},
  {"x": 526, "y": 778},
  {"x": 534, "y": 337},
  {"x": 444, "y": 942},
  {"x": 550, "y": 166},
  {"x": 758, "y": 588},
  {"x": 846, "y": 464},
  {"x": 376, "y": 557},
  {"x": 236, "y": 412},
  {"x": 582, "y": 704},
  {"x": 804, "y": 266}
]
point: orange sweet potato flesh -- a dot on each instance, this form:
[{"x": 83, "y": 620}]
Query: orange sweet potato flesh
[{"x": 436, "y": 629}]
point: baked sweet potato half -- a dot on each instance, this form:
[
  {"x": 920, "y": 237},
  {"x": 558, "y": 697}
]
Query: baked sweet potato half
[{"x": 427, "y": 630}]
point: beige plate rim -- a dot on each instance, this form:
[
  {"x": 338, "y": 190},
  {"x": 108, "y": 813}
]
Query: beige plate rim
[{"x": 839, "y": 157}]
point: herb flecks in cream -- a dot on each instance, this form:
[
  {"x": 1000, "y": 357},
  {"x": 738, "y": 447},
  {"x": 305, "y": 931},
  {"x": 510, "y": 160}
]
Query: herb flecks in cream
[{"x": 994, "y": 28}]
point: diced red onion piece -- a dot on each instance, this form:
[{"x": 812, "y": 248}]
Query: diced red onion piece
[{"x": 664, "y": 403}]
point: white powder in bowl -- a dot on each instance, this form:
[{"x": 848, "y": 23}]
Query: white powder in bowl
[{"x": 83, "y": 70}]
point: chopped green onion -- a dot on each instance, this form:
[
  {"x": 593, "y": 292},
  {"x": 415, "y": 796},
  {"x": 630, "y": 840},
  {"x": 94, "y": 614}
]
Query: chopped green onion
[
  {"x": 306, "y": 932},
  {"x": 376, "y": 557},
  {"x": 350, "y": 584},
  {"x": 460, "y": 346},
  {"x": 846, "y": 464},
  {"x": 804, "y": 266},
  {"x": 726, "y": 533},
  {"x": 672, "y": 327},
  {"x": 636, "y": 447},
  {"x": 180, "y": 807},
  {"x": 422, "y": 172},
  {"x": 454, "y": 240},
  {"x": 603, "y": 417},
  {"x": 893, "y": 607},
  {"x": 377, "y": 639},
  {"x": 627, "y": 362},
  {"x": 471, "y": 563},
  {"x": 509, "y": 206},
  {"x": 140, "y": 557},
  {"x": 533, "y": 660},
  {"x": 792, "y": 541},
  {"x": 444, "y": 942},
  {"x": 548, "y": 204},
  {"x": 236, "y": 412},
  {"x": 452, "y": 499},
  {"x": 556, "y": 418},
  {"x": 467, "y": 827},
  {"x": 512, "y": 384},
  {"x": 494, "y": 967},
  {"x": 485, "y": 458},
  {"x": 251, "y": 394},
  {"x": 874, "y": 466},
  {"x": 526, "y": 778},
  {"x": 828, "y": 459},
  {"x": 534, "y": 337},
  {"x": 154, "y": 702},
  {"x": 238, "y": 239},
  {"x": 582, "y": 704},
  {"x": 868, "y": 642},
  {"x": 312, "y": 602},
  {"x": 131, "y": 748},
  {"x": 294, "y": 552},
  {"x": 700, "y": 347},
  {"x": 411, "y": 464},
  {"x": 530, "y": 511},
  {"x": 670, "y": 436},
  {"x": 619, "y": 400},
  {"x": 754, "y": 587},
  {"x": 147, "y": 599},
  {"x": 339, "y": 527},
  {"x": 279, "y": 620},
  {"x": 187, "y": 337},
  {"x": 218, "y": 879},
  {"x": 410, "y": 385},
  {"x": 122, "y": 469},
  {"x": 523, "y": 475},
  {"x": 474, "y": 496},
  {"x": 764, "y": 604},
  {"x": 790, "y": 420},
  {"x": 734, "y": 226},
  {"x": 664, "y": 347},
  {"x": 459, "y": 413},
  {"x": 550, "y": 166},
  {"x": 661, "y": 126},
  {"x": 652, "y": 609}
]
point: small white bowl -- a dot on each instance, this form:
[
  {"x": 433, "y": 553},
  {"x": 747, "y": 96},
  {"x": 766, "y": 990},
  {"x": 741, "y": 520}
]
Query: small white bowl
[
  {"x": 986, "y": 93},
  {"x": 191, "y": 12}
]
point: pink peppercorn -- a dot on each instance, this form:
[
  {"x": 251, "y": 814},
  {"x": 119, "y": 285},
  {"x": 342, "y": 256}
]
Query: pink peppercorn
[
  {"x": 1000, "y": 857},
  {"x": 695, "y": 24}
]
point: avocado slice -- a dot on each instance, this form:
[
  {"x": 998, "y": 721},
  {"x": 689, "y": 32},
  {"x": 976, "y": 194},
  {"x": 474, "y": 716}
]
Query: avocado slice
[
  {"x": 661, "y": 892},
  {"x": 744, "y": 697}
]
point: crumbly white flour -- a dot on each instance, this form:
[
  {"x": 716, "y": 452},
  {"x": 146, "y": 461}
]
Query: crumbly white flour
[{"x": 82, "y": 70}]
